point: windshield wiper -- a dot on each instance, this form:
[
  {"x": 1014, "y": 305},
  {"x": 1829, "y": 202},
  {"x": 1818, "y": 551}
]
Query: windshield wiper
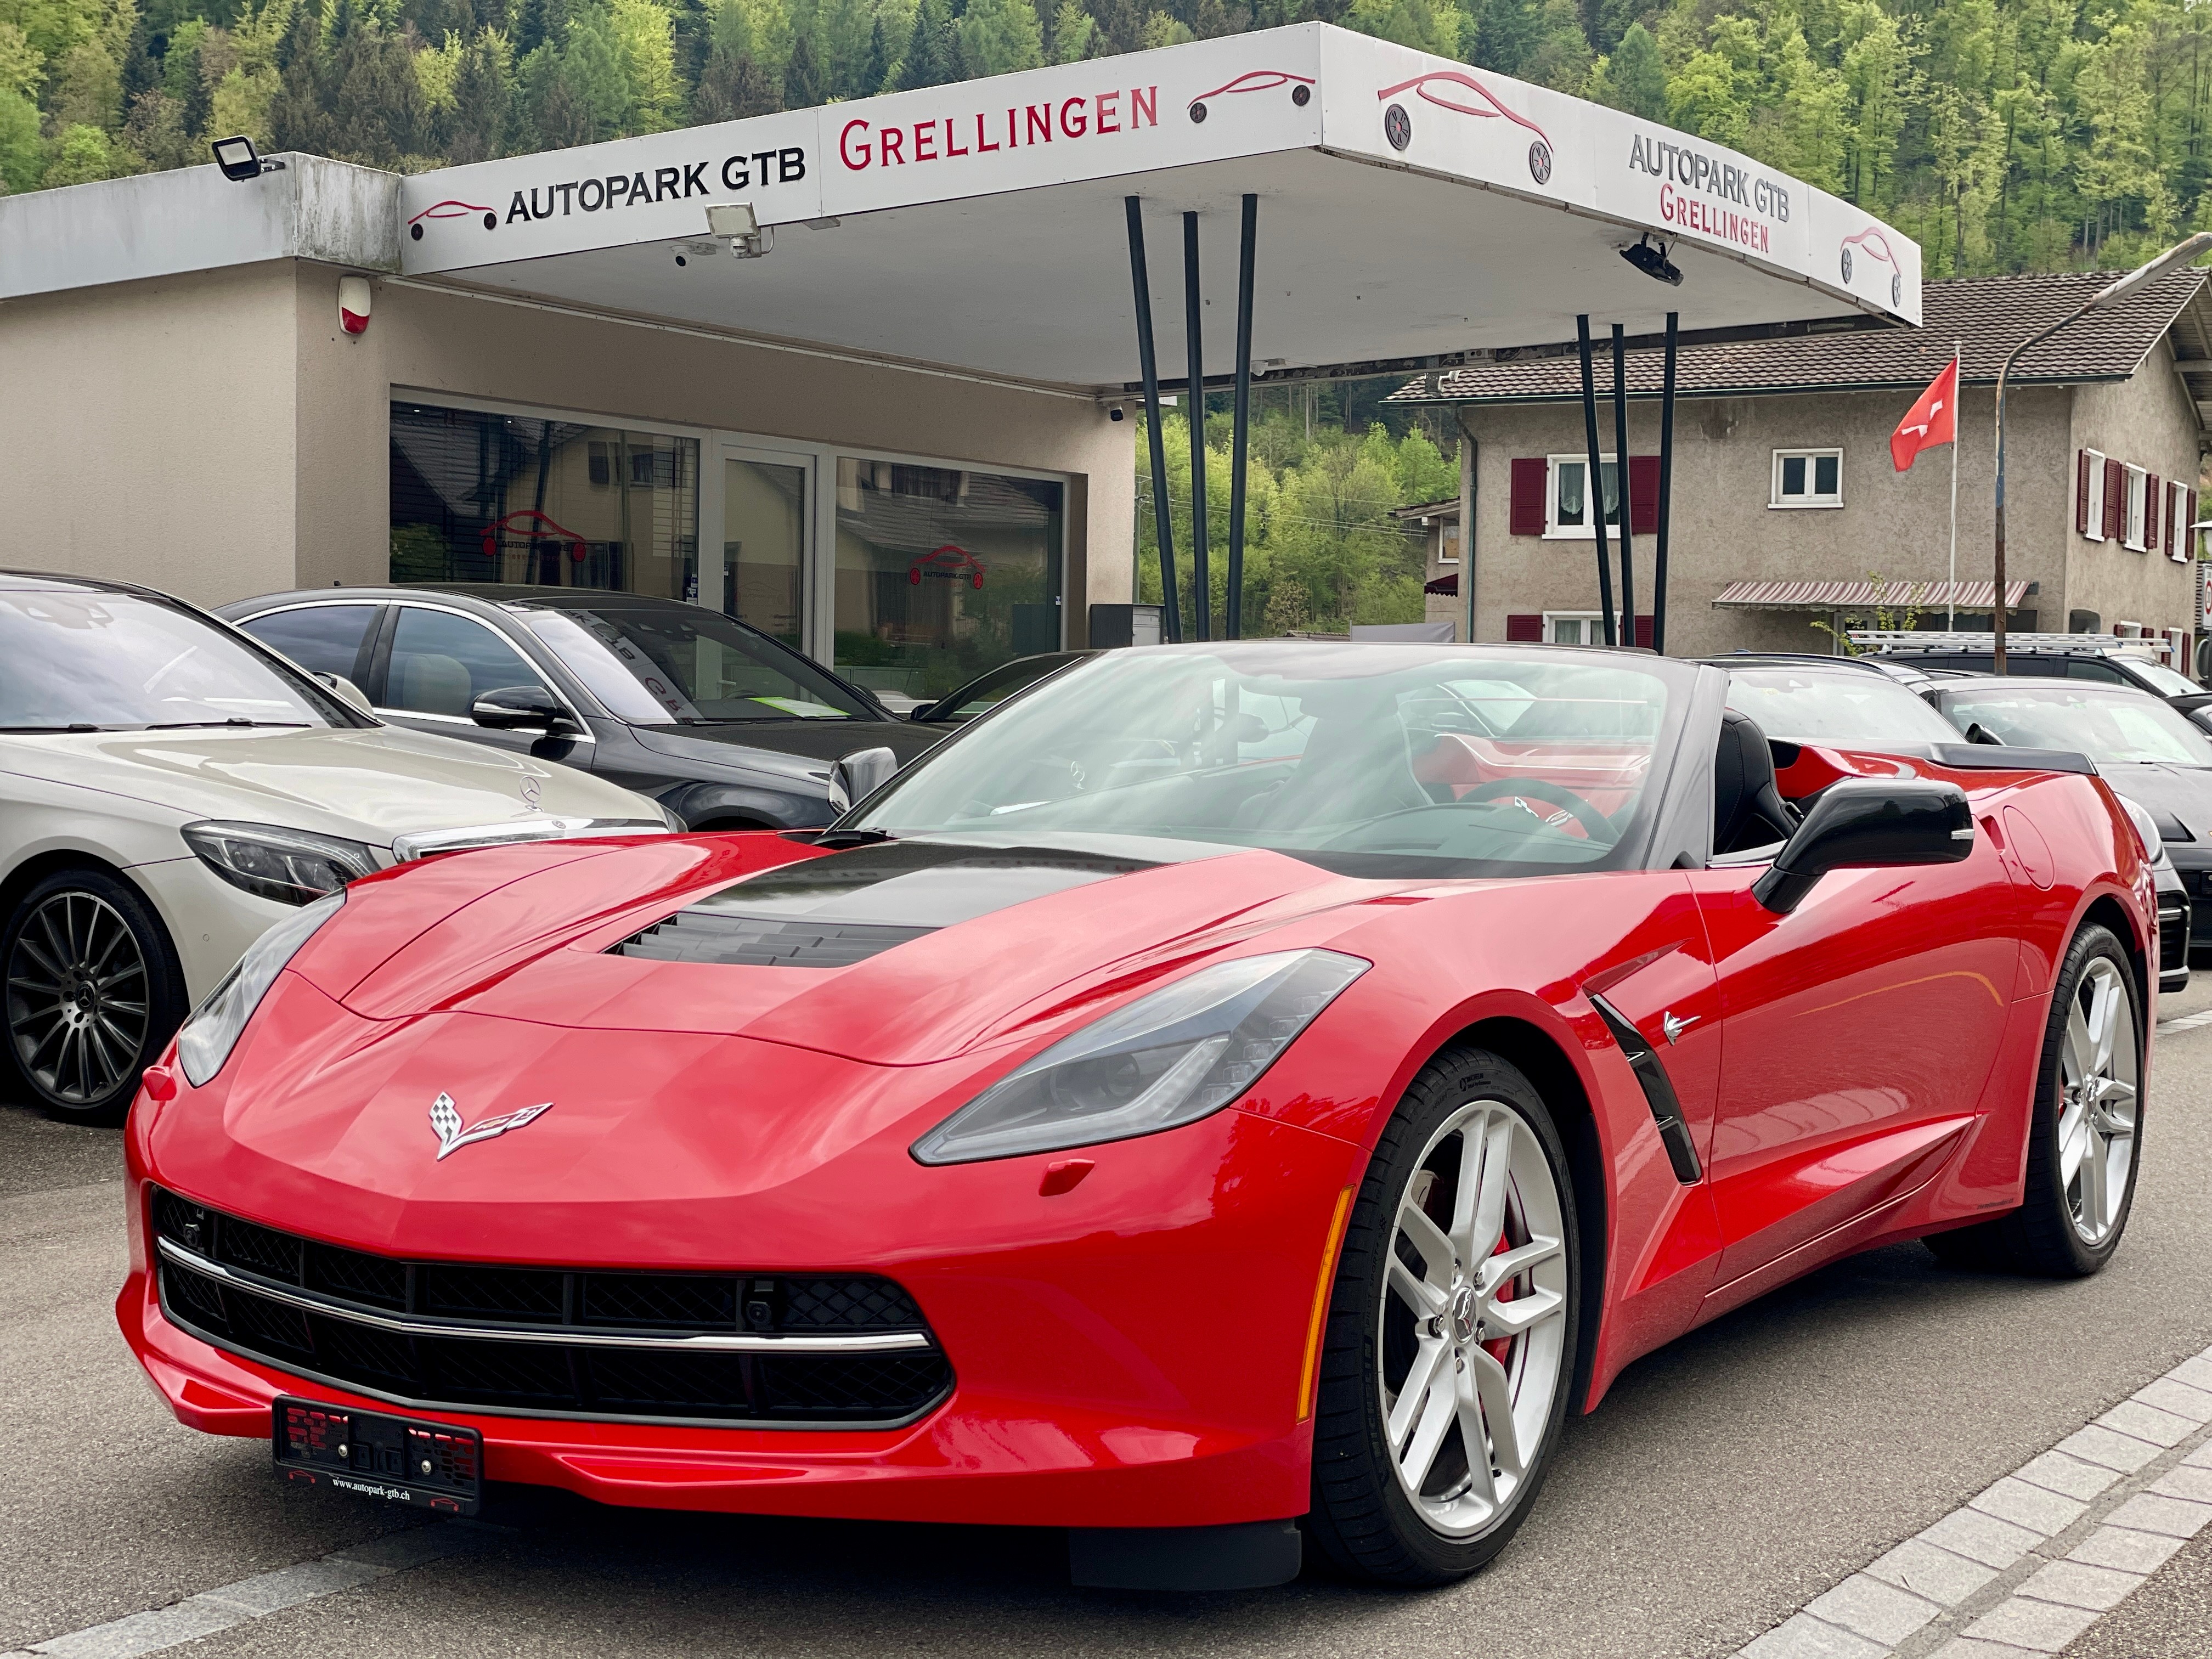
[
  {"x": 186, "y": 726},
  {"x": 76, "y": 727}
]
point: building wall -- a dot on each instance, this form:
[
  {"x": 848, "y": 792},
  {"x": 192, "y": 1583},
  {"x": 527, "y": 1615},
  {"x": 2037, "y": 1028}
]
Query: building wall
[
  {"x": 1893, "y": 524},
  {"x": 2146, "y": 421},
  {"x": 152, "y": 431},
  {"x": 217, "y": 435},
  {"x": 429, "y": 342}
]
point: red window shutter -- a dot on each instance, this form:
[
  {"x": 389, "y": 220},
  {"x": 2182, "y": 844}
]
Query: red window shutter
[
  {"x": 1643, "y": 494},
  {"x": 1526, "y": 629},
  {"x": 2151, "y": 488},
  {"x": 2116, "y": 500},
  {"x": 1644, "y": 630},
  {"x": 2081, "y": 494},
  {"x": 1527, "y": 516}
]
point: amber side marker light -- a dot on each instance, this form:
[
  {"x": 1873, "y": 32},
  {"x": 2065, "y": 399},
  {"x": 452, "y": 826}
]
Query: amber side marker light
[{"x": 1309, "y": 1373}]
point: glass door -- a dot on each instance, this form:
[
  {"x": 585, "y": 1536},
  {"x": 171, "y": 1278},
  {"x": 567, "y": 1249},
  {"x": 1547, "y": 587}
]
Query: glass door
[{"x": 762, "y": 576}]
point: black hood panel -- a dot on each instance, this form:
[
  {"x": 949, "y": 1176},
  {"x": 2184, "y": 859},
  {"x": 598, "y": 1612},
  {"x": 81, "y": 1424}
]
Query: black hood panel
[
  {"x": 2182, "y": 792},
  {"x": 843, "y": 907},
  {"x": 821, "y": 740}
]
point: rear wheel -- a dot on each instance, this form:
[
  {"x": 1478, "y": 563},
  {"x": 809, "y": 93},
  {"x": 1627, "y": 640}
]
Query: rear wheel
[
  {"x": 2083, "y": 1139},
  {"x": 94, "y": 991},
  {"x": 1451, "y": 1330}
]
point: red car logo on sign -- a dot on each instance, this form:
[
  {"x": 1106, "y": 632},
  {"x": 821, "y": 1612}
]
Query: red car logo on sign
[
  {"x": 947, "y": 563},
  {"x": 451, "y": 210},
  {"x": 1437, "y": 88}
]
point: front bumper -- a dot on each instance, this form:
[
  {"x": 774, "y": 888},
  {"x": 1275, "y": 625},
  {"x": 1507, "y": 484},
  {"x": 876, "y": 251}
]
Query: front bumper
[
  {"x": 2193, "y": 862},
  {"x": 1126, "y": 1354}
]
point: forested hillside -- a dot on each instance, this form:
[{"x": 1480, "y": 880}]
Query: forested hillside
[{"x": 2005, "y": 135}]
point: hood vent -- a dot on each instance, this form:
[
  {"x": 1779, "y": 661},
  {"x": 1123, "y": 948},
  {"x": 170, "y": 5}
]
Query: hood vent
[
  {"x": 843, "y": 907},
  {"x": 758, "y": 942}
]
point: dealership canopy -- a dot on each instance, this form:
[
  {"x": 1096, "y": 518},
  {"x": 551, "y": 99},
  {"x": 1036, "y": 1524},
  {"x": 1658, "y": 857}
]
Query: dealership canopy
[{"x": 1410, "y": 209}]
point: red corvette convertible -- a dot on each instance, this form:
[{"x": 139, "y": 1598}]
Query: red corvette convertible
[{"x": 1228, "y": 1100}]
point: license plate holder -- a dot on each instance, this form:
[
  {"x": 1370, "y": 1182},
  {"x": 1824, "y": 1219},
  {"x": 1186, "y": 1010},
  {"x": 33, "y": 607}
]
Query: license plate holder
[{"x": 434, "y": 1467}]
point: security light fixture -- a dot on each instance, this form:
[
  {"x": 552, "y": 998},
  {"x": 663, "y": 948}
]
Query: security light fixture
[
  {"x": 1653, "y": 261},
  {"x": 736, "y": 223},
  {"x": 239, "y": 160}
]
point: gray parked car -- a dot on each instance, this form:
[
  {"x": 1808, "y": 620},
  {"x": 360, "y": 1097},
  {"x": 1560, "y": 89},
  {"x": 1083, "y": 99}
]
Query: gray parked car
[{"x": 727, "y": 728}]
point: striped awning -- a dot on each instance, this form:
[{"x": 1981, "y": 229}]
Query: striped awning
[{"x": 1866, "y": 595}]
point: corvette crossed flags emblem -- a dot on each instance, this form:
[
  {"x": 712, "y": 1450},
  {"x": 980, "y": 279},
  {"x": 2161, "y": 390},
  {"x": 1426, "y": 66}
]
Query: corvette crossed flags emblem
[{"x": 446, "y": 1119}]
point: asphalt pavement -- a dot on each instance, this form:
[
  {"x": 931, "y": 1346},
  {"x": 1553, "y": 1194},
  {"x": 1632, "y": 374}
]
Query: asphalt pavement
[{"x": 1724, "y": 1481}]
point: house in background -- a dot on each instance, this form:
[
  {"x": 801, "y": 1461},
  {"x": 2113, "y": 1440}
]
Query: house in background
[{"x": 1786, "y": 511}]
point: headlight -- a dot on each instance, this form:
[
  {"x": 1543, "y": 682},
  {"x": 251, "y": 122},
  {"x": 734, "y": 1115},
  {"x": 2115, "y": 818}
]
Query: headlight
[
  {"x": 213, "y": 1030},
  {"x": 1166, "y": 1059},
  {"x": 292, "y": 867},
  {"x": 2153, "y": 844}
]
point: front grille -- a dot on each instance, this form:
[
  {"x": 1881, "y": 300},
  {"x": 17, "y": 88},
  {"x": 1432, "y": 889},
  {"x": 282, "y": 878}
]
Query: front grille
[
  {"x": 457, "y": 1315},
  {"x": 2173, "y": 933}
]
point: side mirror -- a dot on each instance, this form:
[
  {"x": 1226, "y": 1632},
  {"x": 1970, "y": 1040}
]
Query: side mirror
[
  {"x": 1977, "y": 733},
  {"x": 520, "y": 708},
  {"x": 924, "y": 713},
  {"x": 858, "y": 775},
  {"x": 346, "y": 688},
  {"x": 1870, "y": 822}
]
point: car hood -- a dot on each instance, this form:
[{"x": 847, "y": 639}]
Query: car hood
[
  {"x": 365, "y": 783},
  {"x": 899, "y": 955},
  {"x": 2171, "y": 793},
  {"x": 811, "y": 746}
]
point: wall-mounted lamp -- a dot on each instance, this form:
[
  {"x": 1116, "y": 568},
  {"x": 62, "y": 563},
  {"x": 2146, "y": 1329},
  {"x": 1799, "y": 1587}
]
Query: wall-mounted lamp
[
  {"x": 239, "y": 160},
  {"x": 736, "y": 223},
  {"x": 1653, "y": 261}
]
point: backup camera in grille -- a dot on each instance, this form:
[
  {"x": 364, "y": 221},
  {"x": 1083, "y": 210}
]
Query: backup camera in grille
[{"x": 562, "y": 1341}]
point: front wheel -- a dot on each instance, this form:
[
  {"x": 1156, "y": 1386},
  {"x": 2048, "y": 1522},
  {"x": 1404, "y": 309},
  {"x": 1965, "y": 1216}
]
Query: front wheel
[
  {"x": 94, "y": 992},
  {"x": 1451, "y": 1330}
]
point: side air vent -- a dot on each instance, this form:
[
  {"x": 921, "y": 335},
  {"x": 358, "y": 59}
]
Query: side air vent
[
  {"x": 759, "y": 942},
  {"x": 1658, "y": 1091}
]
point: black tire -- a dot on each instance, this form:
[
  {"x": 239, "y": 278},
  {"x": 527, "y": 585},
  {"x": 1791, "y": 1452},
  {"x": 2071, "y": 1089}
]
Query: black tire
[
  {"x": 94, "y": 992},
  {"x": 1363, "y": 1518},
  {"x": 2046, "y": 1236}
]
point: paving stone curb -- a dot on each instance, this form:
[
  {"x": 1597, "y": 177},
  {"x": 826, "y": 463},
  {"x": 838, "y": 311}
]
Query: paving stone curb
[{"x": 2029, "y": 1565}]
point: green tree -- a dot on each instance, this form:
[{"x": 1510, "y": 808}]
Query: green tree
[
  {"x": 931, "y": 55},
  {"x": 1639, "y": 79},
  {"x": 999, "y": 36}
]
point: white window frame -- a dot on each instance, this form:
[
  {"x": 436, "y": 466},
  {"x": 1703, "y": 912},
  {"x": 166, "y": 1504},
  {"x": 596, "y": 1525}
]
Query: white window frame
[
  {"x": 818, "y": 626},
  {"x": 1776, "y": 499},
  {"x": 2176, "y": 502},
  {"x": 1447, "y": 537},
  {"x": 1589, "y": 619},
  {"x": 2095, "y": 518},
  {"x": 2133, "y": 515},
  {"x": 1553, "y": 530}
]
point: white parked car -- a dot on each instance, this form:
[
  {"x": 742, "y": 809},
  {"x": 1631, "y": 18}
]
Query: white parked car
[{"x": 170, "y": 788}]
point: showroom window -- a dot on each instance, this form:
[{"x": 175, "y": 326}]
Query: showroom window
[
  {"x": 943, "y": 572},
  {"x": 485, "y": 497},
  {"x": 1808, "y": 477}
]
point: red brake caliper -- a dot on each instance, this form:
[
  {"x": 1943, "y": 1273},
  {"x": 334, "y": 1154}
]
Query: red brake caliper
[{"x": 1499, "y": 1349}]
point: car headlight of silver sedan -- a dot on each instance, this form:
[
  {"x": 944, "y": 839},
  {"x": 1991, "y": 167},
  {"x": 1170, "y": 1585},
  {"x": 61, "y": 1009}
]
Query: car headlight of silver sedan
[
  {"x": 270, "y": 861},
  {"x": 212, "y": 1031},
  {"x": 1166, "y": 1059}
]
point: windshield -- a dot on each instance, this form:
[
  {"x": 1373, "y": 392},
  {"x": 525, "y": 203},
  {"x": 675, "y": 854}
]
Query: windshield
[
  {"x": 1373, "y": 759},
  {"x": 980, "y": 696},
  {"x": 680, "y": 665},
  {"x": 1846, "y": 706},
  {"x": 2162, "y": 679},
  {"x": 113, "y": 661},
  {"x": 2105, "y": 726}
]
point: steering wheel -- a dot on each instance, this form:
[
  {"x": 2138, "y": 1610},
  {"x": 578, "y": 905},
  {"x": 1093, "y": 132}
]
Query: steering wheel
[{"x": 1594, "y": 823}]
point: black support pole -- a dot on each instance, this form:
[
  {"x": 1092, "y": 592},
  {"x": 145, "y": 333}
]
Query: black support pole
[
  {"x": 1162, "y": 520},
  {"x": 1620, "y": 486},
  {"x": 1666, "y": 487},
  {"x": 1233, "y": 622},
  {"x": 1593, "y": 485},
  {"x": 1193, "y": 327}
]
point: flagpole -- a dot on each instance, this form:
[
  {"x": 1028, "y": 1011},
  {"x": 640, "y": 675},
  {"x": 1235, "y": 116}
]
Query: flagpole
[{"x": 1958, "y": 375}]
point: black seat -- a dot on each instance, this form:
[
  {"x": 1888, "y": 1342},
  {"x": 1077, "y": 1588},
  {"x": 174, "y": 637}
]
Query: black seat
[{"x": 1749, "y": 811}]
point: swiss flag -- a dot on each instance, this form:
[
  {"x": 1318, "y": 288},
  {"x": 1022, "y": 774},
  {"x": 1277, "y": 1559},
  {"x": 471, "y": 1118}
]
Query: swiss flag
[{"x": 1931, "y": 423}]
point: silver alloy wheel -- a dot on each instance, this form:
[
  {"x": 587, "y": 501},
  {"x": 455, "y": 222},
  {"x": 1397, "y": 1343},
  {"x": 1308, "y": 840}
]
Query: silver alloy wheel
[
  {"x": 77, "y": 998},
  {"x": 1473, "y": 1320},
  {"x": 2097, "y": 1101}
]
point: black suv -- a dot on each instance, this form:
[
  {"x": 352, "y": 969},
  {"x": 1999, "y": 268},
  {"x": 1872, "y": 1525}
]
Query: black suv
[{"x": 727, "y": 727}]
